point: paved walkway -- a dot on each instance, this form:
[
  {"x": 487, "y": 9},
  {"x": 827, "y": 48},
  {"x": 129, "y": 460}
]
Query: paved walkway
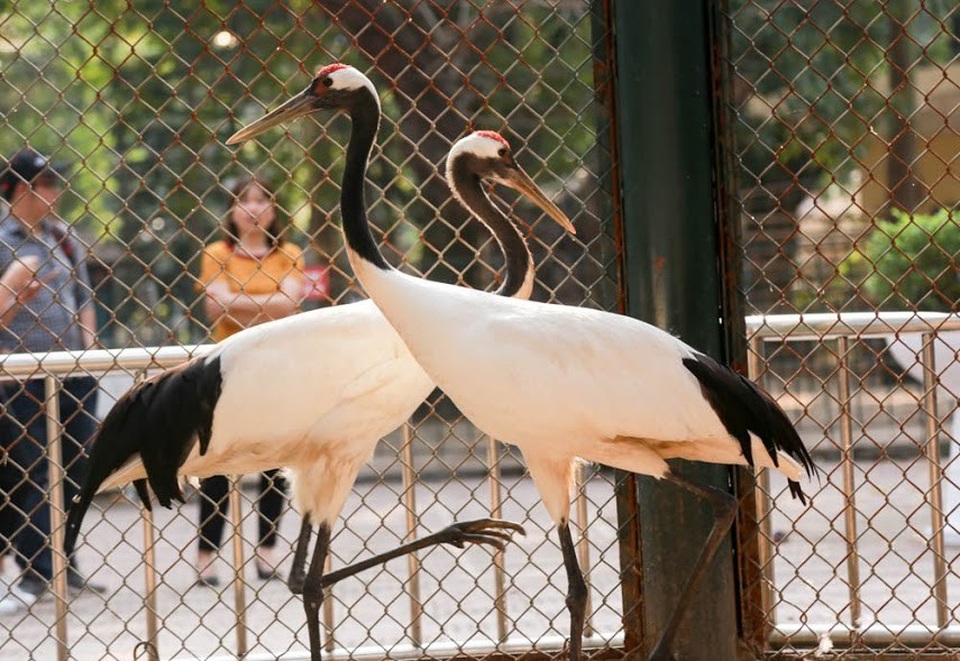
[{"x": 457, "y": 587}]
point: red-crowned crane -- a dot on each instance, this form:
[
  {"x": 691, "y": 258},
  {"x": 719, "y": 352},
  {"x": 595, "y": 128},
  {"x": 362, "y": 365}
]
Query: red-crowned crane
[
  {"x": 313, "y": 393},
  {"x": 559, "y": 382}
]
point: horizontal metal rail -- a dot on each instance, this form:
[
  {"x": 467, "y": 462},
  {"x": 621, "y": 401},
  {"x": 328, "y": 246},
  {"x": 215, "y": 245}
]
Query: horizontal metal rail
[
  {"x": 55, "y": 366},
  {"x": 761, "y": 329},
  {"x": 842, "y": 327},
  {"x": 17, "y": 366},
  {"x": 830, "y": 325}
]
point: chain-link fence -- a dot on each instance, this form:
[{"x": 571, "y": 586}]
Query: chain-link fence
[
  {"x": 845, "y": 136},
  {"x": 844, "y": 133},
  {"x": 137, "y": 99}
]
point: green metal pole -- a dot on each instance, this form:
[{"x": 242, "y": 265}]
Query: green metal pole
[{"x": 671, "y": 236}]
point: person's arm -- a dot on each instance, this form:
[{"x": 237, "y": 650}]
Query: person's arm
[
  {"x": 213, "y": 283},
  {"x": 88, "y": 325},
  {"x": 251, "y": 309},
  {"x": 18, "y": 284}
]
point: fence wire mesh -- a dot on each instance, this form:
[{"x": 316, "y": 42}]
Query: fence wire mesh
[
  {"x": 845, "y": 139},
  {"x": 137, "y": 100},
  {"x": 845, "y": 134}
]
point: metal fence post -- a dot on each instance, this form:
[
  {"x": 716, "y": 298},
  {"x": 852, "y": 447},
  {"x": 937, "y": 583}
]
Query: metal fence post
[
  {"x": 670, "y": 233},
  {"x": 56, "y": 474}
]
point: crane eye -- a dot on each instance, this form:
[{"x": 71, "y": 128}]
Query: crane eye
[
  {"x": 327, "y": 82},
  {"x": 502, "y": 152}
]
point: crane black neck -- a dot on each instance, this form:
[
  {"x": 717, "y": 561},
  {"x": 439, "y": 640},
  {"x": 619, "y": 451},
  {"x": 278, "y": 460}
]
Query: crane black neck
[
  {"x": 365, "y": 120},
  {"x": 469, "y": 187}
]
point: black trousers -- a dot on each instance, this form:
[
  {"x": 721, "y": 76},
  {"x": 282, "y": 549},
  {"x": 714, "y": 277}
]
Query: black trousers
[
  {"x": 214, "y": 508},
  {"x": 24, "y": 485}
]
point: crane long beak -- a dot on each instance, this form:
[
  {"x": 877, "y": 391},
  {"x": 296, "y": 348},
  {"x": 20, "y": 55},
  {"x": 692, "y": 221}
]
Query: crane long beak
[
  {"x": 298, "y": 106},
  {"x": 520, "y": 181}
]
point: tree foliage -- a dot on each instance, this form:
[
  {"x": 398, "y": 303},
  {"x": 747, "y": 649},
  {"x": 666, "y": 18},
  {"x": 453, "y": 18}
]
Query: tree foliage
[
  {"x": 912, "y": 263},
  {"x": 821, "y": 75},
  {"x": 139, "y": 98}
]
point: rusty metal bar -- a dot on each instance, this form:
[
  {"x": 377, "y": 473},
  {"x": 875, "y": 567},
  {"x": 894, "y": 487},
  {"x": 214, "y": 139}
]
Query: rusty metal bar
[
  {"x": 667, "y": 233},
  {"x": 55, "y": 478},
  {"x": 150, "y": 584},
  {"x": 496, "y": 511},
  {"x": 764, "y": 506},
  {"x": 149, "y": 571},
  {"x": 932, "y": 450},
  {"x": 239, "y": 585},
  {"x": 804, "y": 635},
  {"x": 849, "y": 482},
  {"x": 330, "y": 641},
  {"x": 584, "y": 544},
  {"x": 413, "y": 559}
]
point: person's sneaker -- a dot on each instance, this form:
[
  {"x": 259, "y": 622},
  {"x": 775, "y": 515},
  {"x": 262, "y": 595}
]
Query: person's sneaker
[
  {"x": 33, "y": 586},
  {"x": 16, "y": 600},
  {"x": 77, "y": 582}
]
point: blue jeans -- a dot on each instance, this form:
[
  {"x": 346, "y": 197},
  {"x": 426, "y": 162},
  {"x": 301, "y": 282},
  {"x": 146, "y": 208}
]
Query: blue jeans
[{"x": 24, "y": 483}]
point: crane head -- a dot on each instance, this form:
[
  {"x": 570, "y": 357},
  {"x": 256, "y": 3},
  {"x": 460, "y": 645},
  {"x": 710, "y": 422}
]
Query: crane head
[
  {"x": 487, "y": 155},
  {"x": 335, "y": 87}
]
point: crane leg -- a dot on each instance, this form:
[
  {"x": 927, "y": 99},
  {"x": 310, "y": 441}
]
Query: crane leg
[
  {"x": 724, "y": 513},
  {"x": 493, "y": 532},
  {"x": 298, "y": 568},
  {"x": 481, "y": 531},
  {"x": 313, "y": 591},
  {"x": 576, "y": 592}
]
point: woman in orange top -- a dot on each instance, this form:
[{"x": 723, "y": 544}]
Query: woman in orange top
[{"x": 249, "y": 277}]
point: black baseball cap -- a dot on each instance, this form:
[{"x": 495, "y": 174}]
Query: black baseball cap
[{"x": 27, "y": 165}]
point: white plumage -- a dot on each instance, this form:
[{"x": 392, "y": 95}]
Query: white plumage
[
  {"x": 560, "y": 382},
  {"x": 313, "y": 393}
]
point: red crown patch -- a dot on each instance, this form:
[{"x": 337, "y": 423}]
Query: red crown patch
[
  {"x": 493, "y": 135},
  {"x": 330, "y": 68}
]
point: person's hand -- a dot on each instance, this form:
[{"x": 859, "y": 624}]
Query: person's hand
[
  {"x": 21, "y": 278},
  {"x": 217, "y": 306}
]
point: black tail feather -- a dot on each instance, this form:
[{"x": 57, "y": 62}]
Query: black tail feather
[
  {"x": 159, "y": 420},
  {"x": 796, "y": 491},
  {"x": 744, "y": 409},
  {"x": 144, "y": 493}
]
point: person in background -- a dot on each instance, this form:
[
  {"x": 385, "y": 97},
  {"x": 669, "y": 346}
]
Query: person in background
[
  {"x": 249, "y": 277},
  {"x": 45, "y": 305},
  {"x": 18, "y": 285}
]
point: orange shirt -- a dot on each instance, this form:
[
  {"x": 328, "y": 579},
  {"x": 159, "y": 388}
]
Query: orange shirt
[{"x": 220, "y": 263}]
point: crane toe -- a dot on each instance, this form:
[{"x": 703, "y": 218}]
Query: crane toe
[{"x": 492, "y": 532}]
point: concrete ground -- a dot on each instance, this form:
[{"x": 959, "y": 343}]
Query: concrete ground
[
  {"x": 811, "y": 581},
  {"x": 372, "y": 610}
]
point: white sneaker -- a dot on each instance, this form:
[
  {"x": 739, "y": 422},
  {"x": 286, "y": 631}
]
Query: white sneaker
[{"x": 16, "y": 601}]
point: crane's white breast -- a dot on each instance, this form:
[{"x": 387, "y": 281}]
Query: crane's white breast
[{"x": 330, "y": 381}]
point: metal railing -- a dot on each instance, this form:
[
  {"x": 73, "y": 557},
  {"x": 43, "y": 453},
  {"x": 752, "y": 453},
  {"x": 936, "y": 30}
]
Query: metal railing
[
  {"x": 137, "y": 101},
  {"x": 843, "y": 328},
  {"x": 839, "y": 328},
  {"x": 55, "y": 366}
]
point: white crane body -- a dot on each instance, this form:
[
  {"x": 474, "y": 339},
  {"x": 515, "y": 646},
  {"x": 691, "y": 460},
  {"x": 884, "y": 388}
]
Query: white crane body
[
  {"x": 313, "y": 393},
  {"x": 562, "y": 382}
]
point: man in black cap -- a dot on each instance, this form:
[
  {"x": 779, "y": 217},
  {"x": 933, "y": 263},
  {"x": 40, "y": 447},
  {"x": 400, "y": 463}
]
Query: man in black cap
[{"x": 53, "y": 311}]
